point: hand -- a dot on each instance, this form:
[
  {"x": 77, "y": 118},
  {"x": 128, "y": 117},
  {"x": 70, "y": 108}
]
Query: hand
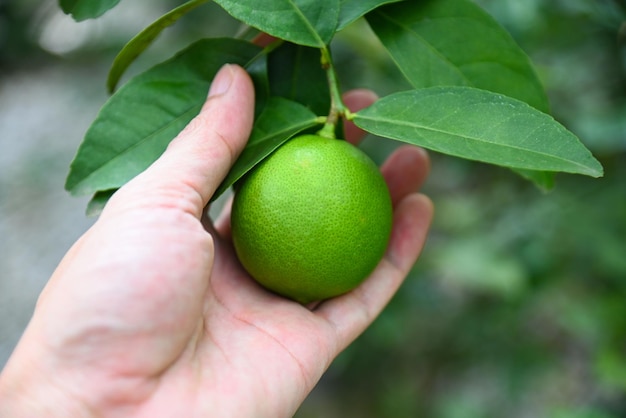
[{"x": 150, "y": 315}]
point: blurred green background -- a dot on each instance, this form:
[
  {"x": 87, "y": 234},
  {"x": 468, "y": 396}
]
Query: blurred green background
[{"x": 517, "y": 307}]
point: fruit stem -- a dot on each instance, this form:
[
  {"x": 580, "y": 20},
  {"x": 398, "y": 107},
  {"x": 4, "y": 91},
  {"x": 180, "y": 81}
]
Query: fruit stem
[{"x": 337, "y": 107}]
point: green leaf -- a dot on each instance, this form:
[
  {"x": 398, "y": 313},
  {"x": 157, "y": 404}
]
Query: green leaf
[
  {"x": 543, "y": 179},
  {"x": 456, "y": 43},
  {"x": 135, "y": 125},
  {"x": 479, "y": 125},
  {"x": 86, "y": 9},
  {"x": 305, "y": 22},
  {"x": 142, "y": 40},
  {"x": 279, "y": 121},
  {"x": 295, "y": 73},
  {"x": 257, "y": 69},
  {"x": 98, "y": 202},
  {"x": 351, "y": 10}
]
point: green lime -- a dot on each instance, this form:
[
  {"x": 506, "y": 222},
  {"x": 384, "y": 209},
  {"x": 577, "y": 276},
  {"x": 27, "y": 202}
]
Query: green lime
[{"x": 313, "y": 219}]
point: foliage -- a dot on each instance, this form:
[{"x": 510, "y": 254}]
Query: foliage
[{"x": 481, "y": 114}]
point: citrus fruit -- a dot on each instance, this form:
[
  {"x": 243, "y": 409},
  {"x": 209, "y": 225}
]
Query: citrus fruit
[{"x": 313, "y": 219}]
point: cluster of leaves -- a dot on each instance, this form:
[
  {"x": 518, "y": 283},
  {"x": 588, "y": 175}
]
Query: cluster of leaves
[{"x": 474, "y": 92}]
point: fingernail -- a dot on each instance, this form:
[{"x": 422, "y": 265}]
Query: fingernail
[{"x": 222, "y": 81}]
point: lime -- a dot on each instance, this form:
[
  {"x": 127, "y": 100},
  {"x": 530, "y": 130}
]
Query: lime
[{"x": 313, "y": 219}]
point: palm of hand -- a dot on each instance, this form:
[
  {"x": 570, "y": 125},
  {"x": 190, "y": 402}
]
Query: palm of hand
[{"x": 169, "y": 339}]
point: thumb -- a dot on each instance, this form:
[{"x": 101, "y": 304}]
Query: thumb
[{"x": 198, "y": 159}]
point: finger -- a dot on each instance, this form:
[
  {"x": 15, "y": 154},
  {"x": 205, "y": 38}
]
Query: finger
[
  {"x": 349, "y": 314},
  {"x": 405, "y": 171},
  {"x": 356, "y": 100},
  {"x": 198, "y": 159}
]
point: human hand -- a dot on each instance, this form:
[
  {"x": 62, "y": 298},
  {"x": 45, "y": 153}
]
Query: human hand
[{"x": 150, "y": 314}]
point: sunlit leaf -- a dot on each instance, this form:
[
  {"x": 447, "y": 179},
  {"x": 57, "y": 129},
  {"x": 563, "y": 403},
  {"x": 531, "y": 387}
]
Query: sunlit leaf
[
  {"x": 454, "y": 42},
  {"x": 279, "y": 121},
  {"x": 86, "y": 9},
  {"x": 305, "y": 22},
  {"x": 479, "y": 125},
  {"x": 134, "y": 127},
  {"x": 143, "y": 39}
]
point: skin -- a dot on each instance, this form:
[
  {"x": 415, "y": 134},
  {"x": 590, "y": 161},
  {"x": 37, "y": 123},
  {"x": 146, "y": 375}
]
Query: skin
[{"x": 150, "y": 314}]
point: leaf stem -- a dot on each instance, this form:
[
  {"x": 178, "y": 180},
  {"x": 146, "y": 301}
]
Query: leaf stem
[{"x": 337, "y": 107}]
